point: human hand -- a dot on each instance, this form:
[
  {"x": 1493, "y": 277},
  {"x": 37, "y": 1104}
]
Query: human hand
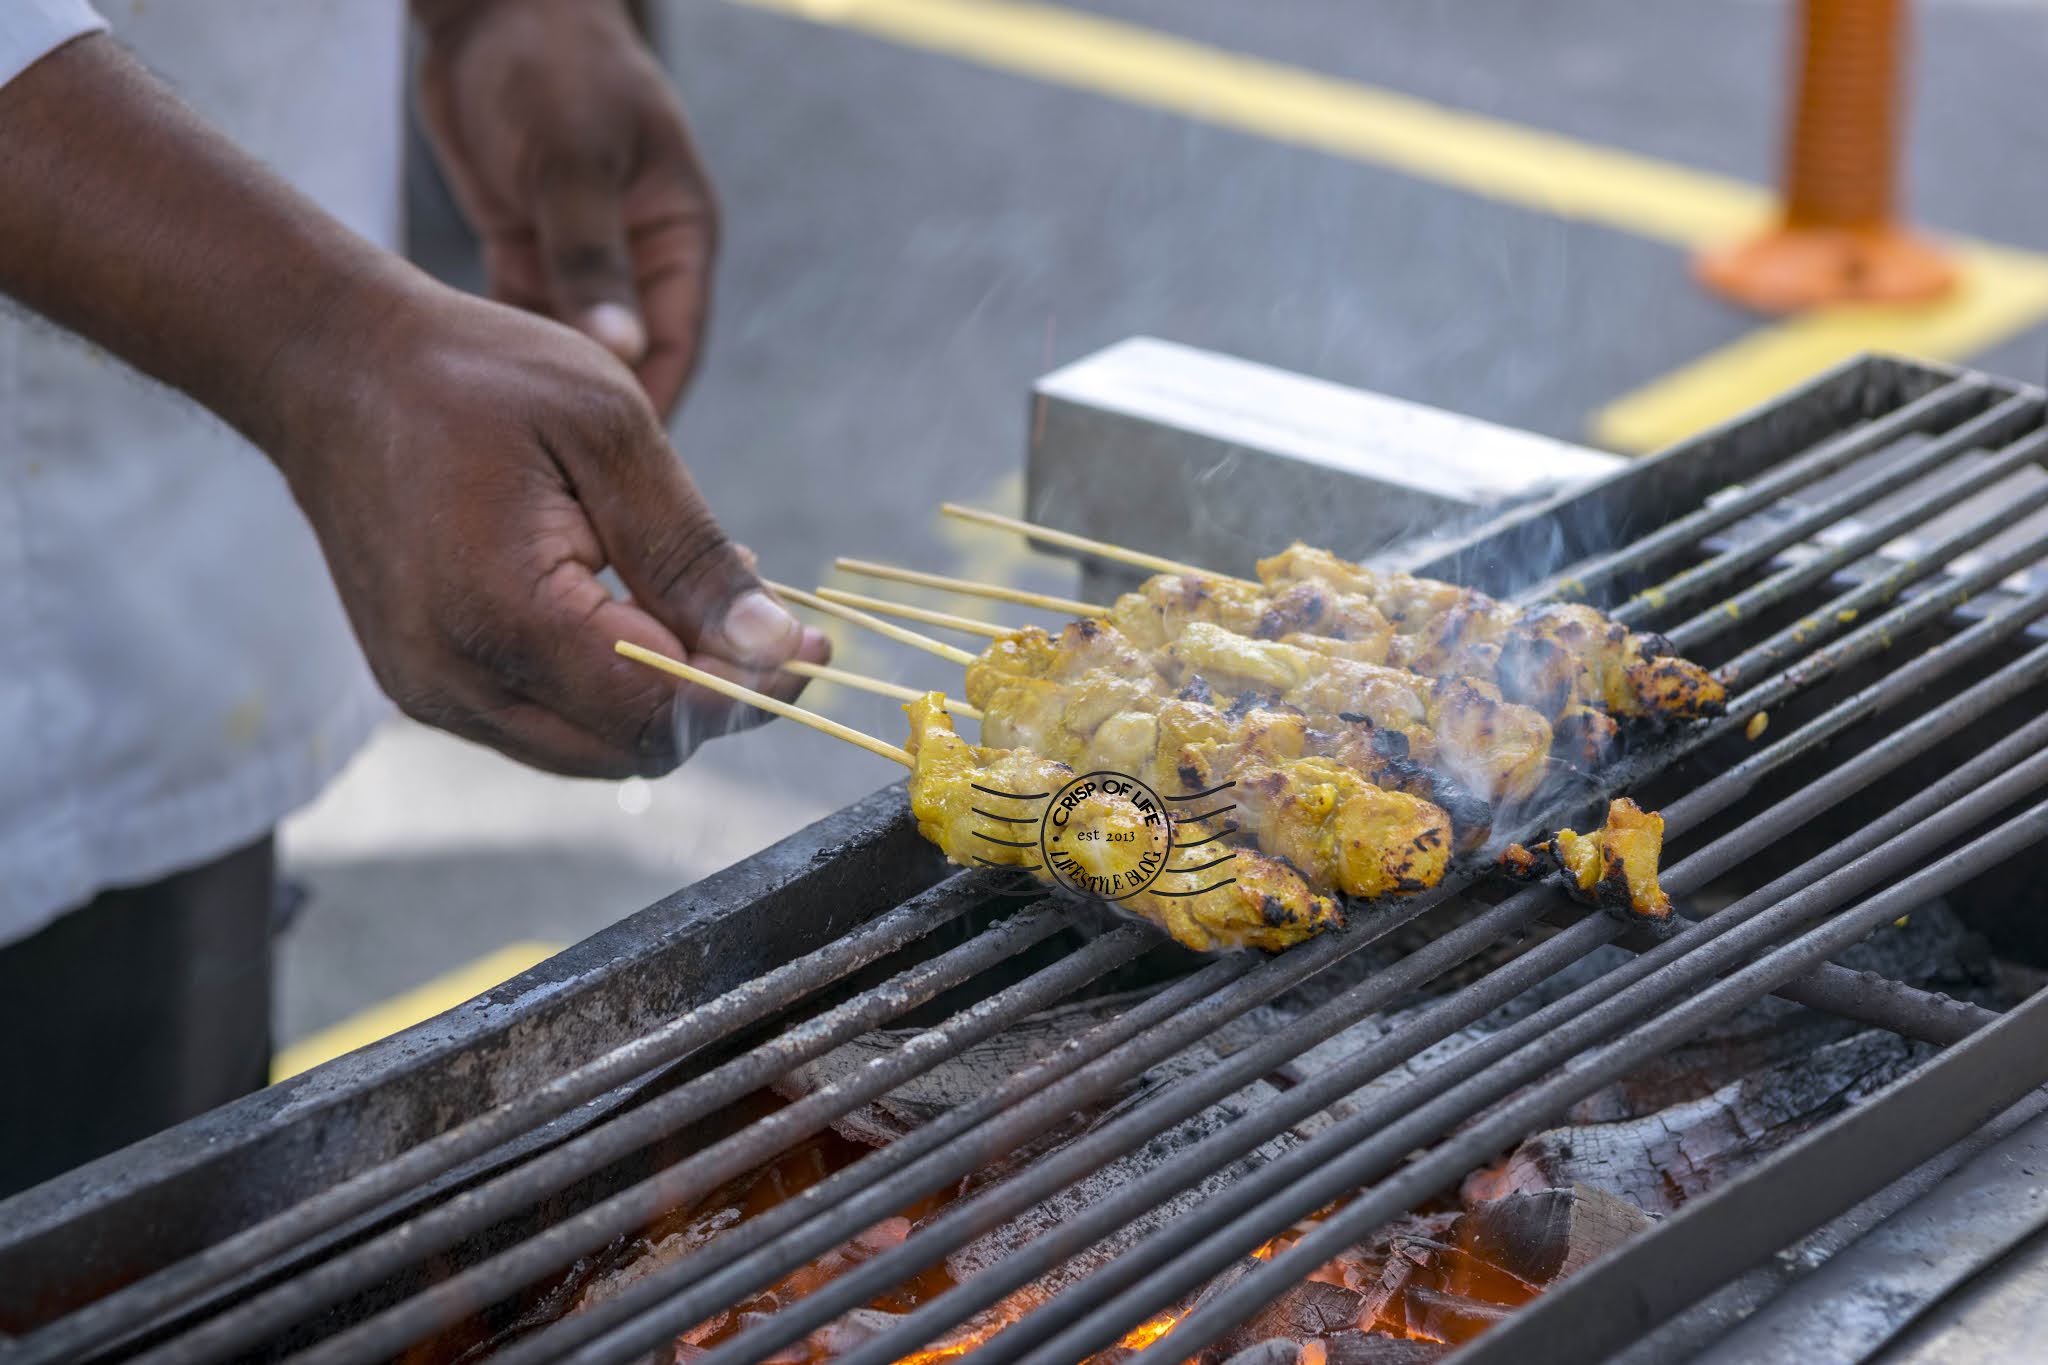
[
  {"x": 468, "y": 489},
  {"x": 568, "y": 151}
]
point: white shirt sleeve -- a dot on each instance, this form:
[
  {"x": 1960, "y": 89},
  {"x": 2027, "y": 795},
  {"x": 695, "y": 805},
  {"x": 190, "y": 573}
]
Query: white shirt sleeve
[{"x": 32, "y": 29}]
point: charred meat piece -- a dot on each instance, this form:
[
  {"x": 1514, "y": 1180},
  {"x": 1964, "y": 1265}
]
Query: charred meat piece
[{"x": 1613, "y": 867}]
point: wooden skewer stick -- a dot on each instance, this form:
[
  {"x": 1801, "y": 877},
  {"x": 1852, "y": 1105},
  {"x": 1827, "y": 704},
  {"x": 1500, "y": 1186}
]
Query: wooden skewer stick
[
  {"x": 1102, "y": 549},
  {"x": 968, "y": 587},
  {"x": 803, "y": 668},
  {"x": 950, "y": 653},
  {"x": 713, "y": 682},
  {"x": 929, "y": 617}
]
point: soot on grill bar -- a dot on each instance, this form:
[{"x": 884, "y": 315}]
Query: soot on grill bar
[
  {"x": 848, "y": 1102},
  {"x": 1620, "y": 1161}
]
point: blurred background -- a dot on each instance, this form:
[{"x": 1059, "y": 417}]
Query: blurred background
[{"x": 1492, "y": 208}]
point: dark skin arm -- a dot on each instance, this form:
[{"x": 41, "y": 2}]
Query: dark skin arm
[
  {"x": 468, "y": 467},
  {"x": 568, "y": 152}
]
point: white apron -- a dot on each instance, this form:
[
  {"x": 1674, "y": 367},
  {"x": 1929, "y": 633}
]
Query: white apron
[{"x": 176, "y": 673}]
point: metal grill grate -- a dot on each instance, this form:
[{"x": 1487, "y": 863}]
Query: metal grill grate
[{"x": 1810, "y": 617}]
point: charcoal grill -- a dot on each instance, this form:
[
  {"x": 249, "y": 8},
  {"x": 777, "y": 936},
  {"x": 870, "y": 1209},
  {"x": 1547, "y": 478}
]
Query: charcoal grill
[{"x": 354, "y": 1212}]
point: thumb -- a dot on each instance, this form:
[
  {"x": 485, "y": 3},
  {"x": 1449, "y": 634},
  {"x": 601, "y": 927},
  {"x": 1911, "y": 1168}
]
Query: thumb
[
  {"x": 684, "y": 570},
  {"x": 589, "y": 266}
]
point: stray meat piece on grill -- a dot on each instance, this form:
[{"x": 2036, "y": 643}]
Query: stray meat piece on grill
[{"x": 1614, "y": 867}]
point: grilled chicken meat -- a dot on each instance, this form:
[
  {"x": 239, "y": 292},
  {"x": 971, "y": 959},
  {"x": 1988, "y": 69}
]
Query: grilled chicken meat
[
  {"x": 1318, "y": 814},
  {"x": 1494, "y": 747},
  {"x": 1614, "y": 867},
  {"x": 1455, "y": 743},
  {"x": 1329, "y": 816},
  {"x": 1552, "y": 657},
  {"x": 1262, "y": 903}
]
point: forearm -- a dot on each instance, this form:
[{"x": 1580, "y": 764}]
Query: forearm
[{"x": 128, "y": 220}]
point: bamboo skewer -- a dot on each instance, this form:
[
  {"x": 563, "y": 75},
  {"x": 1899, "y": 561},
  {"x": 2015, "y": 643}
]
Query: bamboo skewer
[
  {"x": 968, "y": 587},
  {"x": 1101, "y": 549},
  {"x": 737, "y": 692},
  {"x": 803, "y": 668},
  {"x": 944, "y": 619},
  {"x": 950, "y": 653}
]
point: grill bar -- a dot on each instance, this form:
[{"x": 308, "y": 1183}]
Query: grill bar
[
  {"x": 1134, "y": 1201},
  {"x": 135, "y": 1305},
  {"x": 1868, "y": 998},
  {"x": 453, "y": 1299},
  {"x": 1983, "y": 637},
  {"x": 1775, "y": 939},
  {"x": 884, "y": 1162},
  {"x": 1690, "y": 1000},
  {"x": 1683, "y": 1019},
  {"x": 1901, "y": 621},
  {"x": 1828, "y": 457},
  {"x": 1996, "y": 424},
  {"x": 1781, "y": 586},
  {"x": 964, "y": 1221},
  {"x": 1827, "y": 1172},
  {"x": 476, "y": 1209}
]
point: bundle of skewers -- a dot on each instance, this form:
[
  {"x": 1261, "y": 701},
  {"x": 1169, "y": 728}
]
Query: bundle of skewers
[{"x": 1360, "y": 727}]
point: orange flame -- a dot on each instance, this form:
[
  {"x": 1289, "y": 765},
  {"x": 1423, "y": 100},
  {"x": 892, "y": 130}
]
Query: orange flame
[{"x": 1145, "y": 1333}]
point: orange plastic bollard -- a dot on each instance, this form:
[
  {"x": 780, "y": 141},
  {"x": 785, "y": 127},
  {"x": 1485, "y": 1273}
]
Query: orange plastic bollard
[{"x": 1838, "y": 240}]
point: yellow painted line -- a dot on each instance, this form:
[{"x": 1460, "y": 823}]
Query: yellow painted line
[
  {"x": 2004, "y": 290},
  {"x": 2000, "y": 293},
  {"x": 402, "y": 1011},
  {"x": 1484, "y": 156}
]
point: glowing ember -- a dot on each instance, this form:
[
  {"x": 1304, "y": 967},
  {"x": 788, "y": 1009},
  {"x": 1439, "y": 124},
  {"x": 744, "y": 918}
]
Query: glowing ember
[
  {"x": 1419, "y": 1279},
  {"x": 1145, "y": 1333}
]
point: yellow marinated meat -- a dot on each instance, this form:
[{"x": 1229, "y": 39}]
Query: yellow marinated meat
[
  {"x": 1388, "y": 697},
  {"x": 1339, "y": 828},
  {"x": 1260, "y": 903},
  {"x": 1265, "y": 904},
  {"x": 1551, "y": 657},
  {"x": 1614, "y": 866},
  {"x": 1492, "y": 746},
  {"x": 1324, "y": 818},
  {"x": 1024, "y": 655},
  {"x": 1055, "y": 695},
  {"x": 1169, "y": 603},
  {"x": 1497, "y": 748},
  {"x": 1163, "y": 607},
  {"x": 1236, "y": 662}
]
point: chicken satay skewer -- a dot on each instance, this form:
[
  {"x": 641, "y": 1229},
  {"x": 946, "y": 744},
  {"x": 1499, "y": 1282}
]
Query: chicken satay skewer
[
  {"x": 1101, "y": 549},
  {"x": 968, "y": 587},
  {"x": 775, "y": 706},
  {"x": 950, "y": 653},
  {"x": 1331, "y": 620},
  {"x": 1242, "y": 898},
  {"x": 881, "y": 687},
  {"x": 945, "y": 620},
  {"x": 1265, "y": 904},
  {"x": 1417, "y": 604}
]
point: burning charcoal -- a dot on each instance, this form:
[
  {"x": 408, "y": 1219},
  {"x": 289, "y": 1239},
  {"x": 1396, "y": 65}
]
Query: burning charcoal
[
  {"x": 1544, "y": 1236},
  {"x": 1373, "y": 1348},
  {"x": 1450, "y": 1317},
  {"x": 958, "y": 1080},
  {"x": 1309, "y": 1309},
  {"x": 856, "y": 1328},
  {"x": 1393, "y": 1256},
  {"x": 1276, "y": 1351},
  {"x": 1659, "y": 1161}
]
